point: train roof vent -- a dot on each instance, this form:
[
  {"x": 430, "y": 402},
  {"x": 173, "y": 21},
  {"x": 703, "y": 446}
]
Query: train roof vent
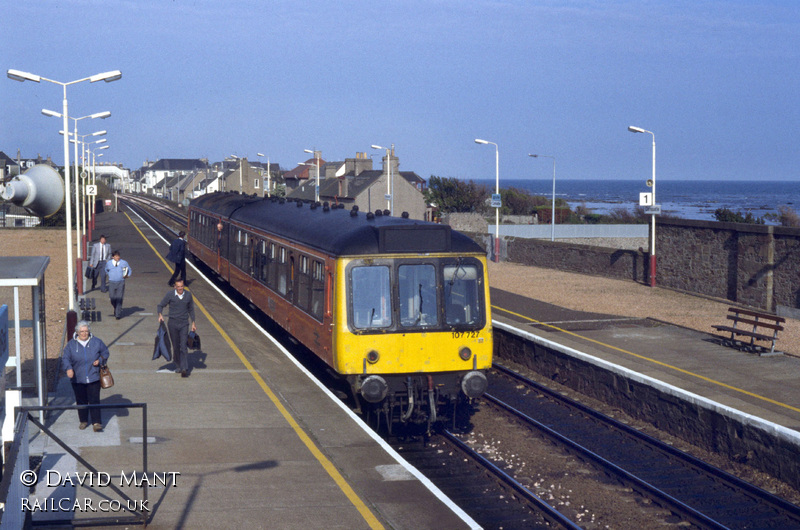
[{"x": 414, "y": 238}]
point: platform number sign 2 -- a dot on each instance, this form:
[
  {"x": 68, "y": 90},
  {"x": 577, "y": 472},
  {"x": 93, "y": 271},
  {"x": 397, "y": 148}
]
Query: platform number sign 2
[{"x": 91, "y": 189}]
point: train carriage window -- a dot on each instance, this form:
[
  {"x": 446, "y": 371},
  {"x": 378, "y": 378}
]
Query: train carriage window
[
  {"x": 462, "y": 294},
  {"x": 371, "y": 300},
  {"x": 417, "y": 290},
  {"x": 272, "y": 273},
  {"x": 283, "y": 279},
  {"x": 317, "y": 289},
  {"x": 304, "y": 285}
]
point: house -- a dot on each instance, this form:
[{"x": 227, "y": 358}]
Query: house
[
  {"x": 250, "y": 178},
  {"x": 355, "y": 183},
  {"x": 153, "y": 175}
]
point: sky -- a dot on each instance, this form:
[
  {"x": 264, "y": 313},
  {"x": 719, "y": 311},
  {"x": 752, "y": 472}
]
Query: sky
[{"x": 717, "y": 82}]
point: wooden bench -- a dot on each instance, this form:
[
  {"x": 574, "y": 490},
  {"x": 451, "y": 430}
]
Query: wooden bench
[{"x": 753, "y": 324}]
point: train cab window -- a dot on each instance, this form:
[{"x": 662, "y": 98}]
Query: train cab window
[
  {"x": 462, "y": 294},
  {"x": 417, "y": 290},
  {"x": 371, "y": 300}
]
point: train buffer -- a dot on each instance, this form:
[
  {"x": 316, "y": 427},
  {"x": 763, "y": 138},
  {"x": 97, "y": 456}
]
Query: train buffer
[{"x": 756, "y": 326}]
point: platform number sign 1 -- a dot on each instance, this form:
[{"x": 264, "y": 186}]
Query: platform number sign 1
[{"x": 91, "y": 189}]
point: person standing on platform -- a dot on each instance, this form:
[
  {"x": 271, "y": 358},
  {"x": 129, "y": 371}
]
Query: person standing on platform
[
  {"x": 82, "y": 357},
  {"x": 177, "y": 255},
  {"x": 117, "y": 270},
  {"x": 181, "y": 315},
  {"x": 101, "y": 252}
]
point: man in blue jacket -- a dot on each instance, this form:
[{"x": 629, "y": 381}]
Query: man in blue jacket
[
  {"x": 177, "y": 255},
  {"x": 117, "y": 269},
  {"x": 82, "y": 358}
]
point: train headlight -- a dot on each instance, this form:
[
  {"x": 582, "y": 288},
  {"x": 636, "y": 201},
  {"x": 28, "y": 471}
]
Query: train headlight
[
  {"x": 474, "y": 384},
  {"x": 465, "y": 353},
  {"x": 373, "y": 356},
  {"x": 374, "y": 388}
]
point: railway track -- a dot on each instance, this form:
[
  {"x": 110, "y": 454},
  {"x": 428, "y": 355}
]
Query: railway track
[
  {"x": 697, "y": 492},
  {"x": 492, "y": 497},
  {"x": 700, "y": 493}
]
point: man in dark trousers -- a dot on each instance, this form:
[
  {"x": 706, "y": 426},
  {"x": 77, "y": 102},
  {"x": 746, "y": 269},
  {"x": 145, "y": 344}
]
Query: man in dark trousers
[
  {"x": 181, "y": 315},
  {"x": 117, "y": 270},
  {"x": 101, "y": 253},
  {"x": 177, "y": 255}
]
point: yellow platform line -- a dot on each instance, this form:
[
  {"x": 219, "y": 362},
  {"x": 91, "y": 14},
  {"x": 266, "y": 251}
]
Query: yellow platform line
[
  {"x": 327, "y": 465},
  {"x": 654, "y": 361}
]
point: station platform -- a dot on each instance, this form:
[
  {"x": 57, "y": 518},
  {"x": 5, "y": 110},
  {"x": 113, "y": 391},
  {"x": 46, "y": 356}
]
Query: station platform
[
  {"x": 765, "y": 387},
  {"x": 249, "y": 438}
]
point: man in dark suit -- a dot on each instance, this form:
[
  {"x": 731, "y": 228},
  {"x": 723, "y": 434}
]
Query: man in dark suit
[{"x": 177, "y": 255}]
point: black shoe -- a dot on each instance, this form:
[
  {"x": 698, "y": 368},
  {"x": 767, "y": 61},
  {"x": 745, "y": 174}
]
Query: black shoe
[
  {"x": 118, "y": 318},
  {"x": 184, "y": 373}
]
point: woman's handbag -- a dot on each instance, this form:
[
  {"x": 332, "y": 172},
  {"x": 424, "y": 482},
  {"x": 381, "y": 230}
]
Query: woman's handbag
[{"x": 106, "y": 379}]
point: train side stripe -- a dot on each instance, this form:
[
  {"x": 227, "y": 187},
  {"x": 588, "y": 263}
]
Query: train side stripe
[{"x": 337, "y": 477}]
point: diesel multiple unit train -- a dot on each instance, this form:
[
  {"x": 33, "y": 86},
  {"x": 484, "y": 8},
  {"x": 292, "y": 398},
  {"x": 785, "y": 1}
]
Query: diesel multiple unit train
[{"x": 398, "y": 308}]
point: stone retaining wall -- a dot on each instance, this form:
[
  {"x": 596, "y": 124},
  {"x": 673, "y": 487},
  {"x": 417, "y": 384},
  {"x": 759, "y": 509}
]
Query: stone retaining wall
[
  {"x": 767, "y": 447},
  {"x": 752, "y": 265}
]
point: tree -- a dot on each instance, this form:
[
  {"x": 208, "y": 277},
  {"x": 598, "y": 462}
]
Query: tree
[
  {"x": 725, "y": 215},
  {"x": 451, "y": 195}
]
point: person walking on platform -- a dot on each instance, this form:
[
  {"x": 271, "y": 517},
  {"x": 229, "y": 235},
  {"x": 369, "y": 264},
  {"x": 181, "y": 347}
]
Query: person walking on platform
[
  {"x": 82, "y": 358},
  {"x": 117, "y": 270},
  {"x": 181, "y": 315},
  {"x": 101, "y": 252},
  {"x": 177, "y": 255}
]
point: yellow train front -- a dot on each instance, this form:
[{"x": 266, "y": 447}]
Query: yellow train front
[{"x": 397, "y": 307}]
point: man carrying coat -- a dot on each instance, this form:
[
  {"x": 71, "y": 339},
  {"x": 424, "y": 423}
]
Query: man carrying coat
[
  {"x": 177, "y": 255},
  {"x": 181, "y": 316}
]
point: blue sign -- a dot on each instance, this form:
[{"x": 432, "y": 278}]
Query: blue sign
[{"x": 496, "y": 202}]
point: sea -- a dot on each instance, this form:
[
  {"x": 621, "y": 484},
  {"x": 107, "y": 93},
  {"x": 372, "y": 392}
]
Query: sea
[{"x": 697, "y": 199}]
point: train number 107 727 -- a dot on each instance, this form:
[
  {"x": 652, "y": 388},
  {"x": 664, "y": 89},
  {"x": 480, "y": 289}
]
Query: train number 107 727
[{"x": 465, "y": 334}]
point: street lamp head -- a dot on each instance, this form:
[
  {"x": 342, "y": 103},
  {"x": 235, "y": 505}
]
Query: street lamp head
[
  {"x": 102, "y": 141},
  {"x": 479, "y": 141},
  {"x": 308, "y": 151},
  {"x": 636, "y": 129},
  {"x": 102, "y": 115},
  {"x": 260, "y": 154},
  {"x": 534, "y": 156},
  {"x": 51, "y": 113},
  {"x": 18, "y": 75},
  {"x": 99, "y": 133},
  {"x": 377, "y": 147},
  {"x": 104, "y": 147},
  {"x": 106, "y": 76}
]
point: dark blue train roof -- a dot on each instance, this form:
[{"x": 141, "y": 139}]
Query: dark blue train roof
[{"x": 335, "y": 230}]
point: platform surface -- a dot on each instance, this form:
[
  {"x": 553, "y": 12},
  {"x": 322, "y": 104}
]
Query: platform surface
[{"x": 250, "y": 439}]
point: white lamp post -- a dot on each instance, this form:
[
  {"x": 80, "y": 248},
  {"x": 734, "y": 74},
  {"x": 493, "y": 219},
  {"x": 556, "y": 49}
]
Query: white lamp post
[
  {"x": 87, "y": 212},
  {"x": 653, "y": 216},
  {"x": 390, "y": 183},
  {"x": 102, "y": 115},
  {"x": 497, "y": 192},
  {"x": 18, "y": 75},
  {"x": 269, "y": 180},
  {"x": 553, "y": 215},
  {"x": 316, "y": 156}
]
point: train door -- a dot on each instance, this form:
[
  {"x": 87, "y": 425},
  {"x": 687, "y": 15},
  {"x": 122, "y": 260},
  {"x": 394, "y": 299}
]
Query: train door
[{"x": 223, "y": 242}]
